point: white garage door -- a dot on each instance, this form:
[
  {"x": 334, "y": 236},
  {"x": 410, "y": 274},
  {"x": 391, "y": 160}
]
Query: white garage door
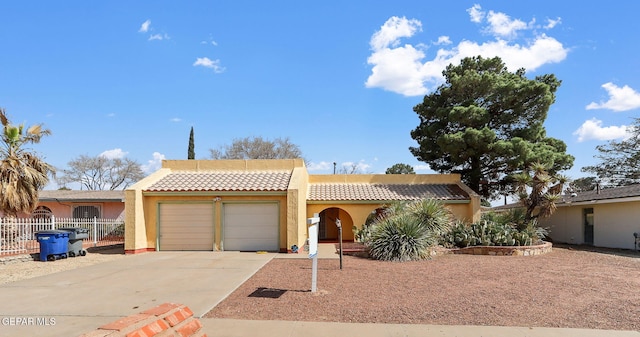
[
  {"x": 250, "y": 227},
  {"x": 186, "y": 226}
]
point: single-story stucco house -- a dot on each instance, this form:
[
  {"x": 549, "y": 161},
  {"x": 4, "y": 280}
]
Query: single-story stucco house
[
  {"x": 603, "y": 218},
  {"x": 263, "y": 205},
  {"x": 78, "y": 204}
]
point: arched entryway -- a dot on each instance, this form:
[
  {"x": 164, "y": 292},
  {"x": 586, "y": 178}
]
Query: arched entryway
[{"x": 327, "y": 229}]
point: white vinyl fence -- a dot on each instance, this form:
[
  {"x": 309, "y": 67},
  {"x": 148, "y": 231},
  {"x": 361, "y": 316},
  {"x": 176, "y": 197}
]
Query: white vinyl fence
[{"x": 17, "y": 236}]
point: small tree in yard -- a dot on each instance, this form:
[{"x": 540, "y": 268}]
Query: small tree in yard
[{"x": 539, "y": 191}]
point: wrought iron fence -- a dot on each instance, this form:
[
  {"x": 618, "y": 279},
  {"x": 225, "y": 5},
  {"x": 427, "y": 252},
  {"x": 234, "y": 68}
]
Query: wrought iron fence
[{"x": 17, "y": 235}]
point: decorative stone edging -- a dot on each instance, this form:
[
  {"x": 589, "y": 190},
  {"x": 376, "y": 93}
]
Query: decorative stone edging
[{"x": 544, "y": 248}]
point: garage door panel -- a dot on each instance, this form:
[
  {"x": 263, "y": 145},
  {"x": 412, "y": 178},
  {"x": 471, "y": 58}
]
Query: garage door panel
[
  {"x": 251, "y": 227},
  {"x": 186, "y": 227}
]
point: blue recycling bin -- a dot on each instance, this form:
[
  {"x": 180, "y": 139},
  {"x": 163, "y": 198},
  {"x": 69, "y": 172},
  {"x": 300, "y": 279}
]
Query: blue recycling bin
[{"x": 53, "y": 244}]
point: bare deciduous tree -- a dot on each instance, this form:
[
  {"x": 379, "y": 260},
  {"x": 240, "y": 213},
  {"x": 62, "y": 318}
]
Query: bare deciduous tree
[
  {"x": 257, "y": 148},
  {"x": 102, "y": 173}
]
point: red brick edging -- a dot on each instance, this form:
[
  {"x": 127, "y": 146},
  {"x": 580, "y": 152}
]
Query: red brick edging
[{"x": 170, "y": 319}]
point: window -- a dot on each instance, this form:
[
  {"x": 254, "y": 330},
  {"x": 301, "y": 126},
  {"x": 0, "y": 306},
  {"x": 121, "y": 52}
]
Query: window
[
  {"x": 86, "y": 212},
  {"x": 42, "y": 213}
]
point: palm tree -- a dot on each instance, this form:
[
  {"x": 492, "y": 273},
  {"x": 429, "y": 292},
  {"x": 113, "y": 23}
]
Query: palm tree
[{"x": 22, "y": 173}]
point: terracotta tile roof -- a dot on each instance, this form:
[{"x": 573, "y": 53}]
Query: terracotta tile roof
[
  {"x": 84, "y": 195},
  {"x": 189, "y": 181},
  {"x": 384, "y": 192}
]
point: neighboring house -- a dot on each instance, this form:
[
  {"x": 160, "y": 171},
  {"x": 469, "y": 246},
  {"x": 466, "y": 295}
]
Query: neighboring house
[
  {"x": 263, "y": 205},
  {"x": 603, "y": 218},
  {"x": 78, "y": 204}
]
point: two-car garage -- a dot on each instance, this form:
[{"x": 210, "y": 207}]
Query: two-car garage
[{"x": 245, "y": 226}]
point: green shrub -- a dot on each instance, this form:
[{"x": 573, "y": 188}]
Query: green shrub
[
  {"x": 405, "y": 230},
  {"x": 492, "y": 233},
  {"x": 432, "y": 214},
  {"x": 401, "y": 237}
]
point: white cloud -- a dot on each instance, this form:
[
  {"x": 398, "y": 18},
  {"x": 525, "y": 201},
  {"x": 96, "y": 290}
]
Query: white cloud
[
  {"x": 552, "y": 23},
  {"x": 593, "y": 129},
  {"x": 208, "y": 63},
  {"x": 145, "y": 27},
  {"x": 114, "y": 154},
  {"x": 213, "y": 43},
  {"x": 620, "y": 99},
  {"x": 404, "y": 69},
  {"x": 176, "y": 120},
  {"x": 443, "y": 40},
  {"x": 321, "y": 166},
  {"x": 390, "y": 33},
  {"x": 153, "y": 164},
  {"x": 501, "y": 24},
  {"x": 158, "y": 37},
  {"x": 476, "y": 14}
]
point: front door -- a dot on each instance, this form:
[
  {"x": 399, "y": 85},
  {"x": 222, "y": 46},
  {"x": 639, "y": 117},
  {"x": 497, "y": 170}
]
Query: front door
[{"x": 588, "y": 226}]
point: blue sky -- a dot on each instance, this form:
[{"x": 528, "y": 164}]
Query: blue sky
[{"x": 340, "y": 79}]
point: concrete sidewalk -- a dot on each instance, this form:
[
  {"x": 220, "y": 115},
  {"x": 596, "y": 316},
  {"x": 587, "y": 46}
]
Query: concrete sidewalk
[
  {"x": 74, "y": 302},
  {"x": 237, "y": 328}
]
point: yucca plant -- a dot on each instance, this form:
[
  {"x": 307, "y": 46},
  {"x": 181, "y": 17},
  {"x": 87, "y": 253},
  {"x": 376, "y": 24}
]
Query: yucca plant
[
  {"x": 432, "y": 214},
  {"x": 402, "y": 237}
]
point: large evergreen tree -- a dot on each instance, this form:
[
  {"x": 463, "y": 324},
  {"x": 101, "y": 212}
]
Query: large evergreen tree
[
  {"x": 619, "y": 160},
  {"x": 486, "y": 123}
]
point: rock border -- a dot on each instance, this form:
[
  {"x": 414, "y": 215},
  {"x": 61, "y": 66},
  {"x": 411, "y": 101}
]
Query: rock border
[
  {"x": 355, "y": 249},
  {"x": 544, "y": 248}
]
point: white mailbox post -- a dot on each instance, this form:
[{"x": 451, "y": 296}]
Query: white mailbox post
[{"x": 313, "y": 249}]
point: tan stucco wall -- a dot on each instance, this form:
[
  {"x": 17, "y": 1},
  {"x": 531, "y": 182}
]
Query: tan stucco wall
[
  {"x": 296, "y": 208},
  {"x": 614, "y": 224},
  {"x": 135, "y": 238},
  {"x": 356, "y": 215}
]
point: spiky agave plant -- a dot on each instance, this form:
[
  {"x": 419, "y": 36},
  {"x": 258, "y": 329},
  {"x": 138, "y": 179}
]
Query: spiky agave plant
[
  {"x": 432, "y": 214},
  {"x": 401, "y": 237}
]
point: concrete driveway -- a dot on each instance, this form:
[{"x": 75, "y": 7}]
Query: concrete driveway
[{"x": 77, "y": 301}]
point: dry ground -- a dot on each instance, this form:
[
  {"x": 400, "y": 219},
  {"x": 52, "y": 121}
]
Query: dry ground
[
  {"x": 566, "y": 288},
  {"x": 19, "y": 270}
]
